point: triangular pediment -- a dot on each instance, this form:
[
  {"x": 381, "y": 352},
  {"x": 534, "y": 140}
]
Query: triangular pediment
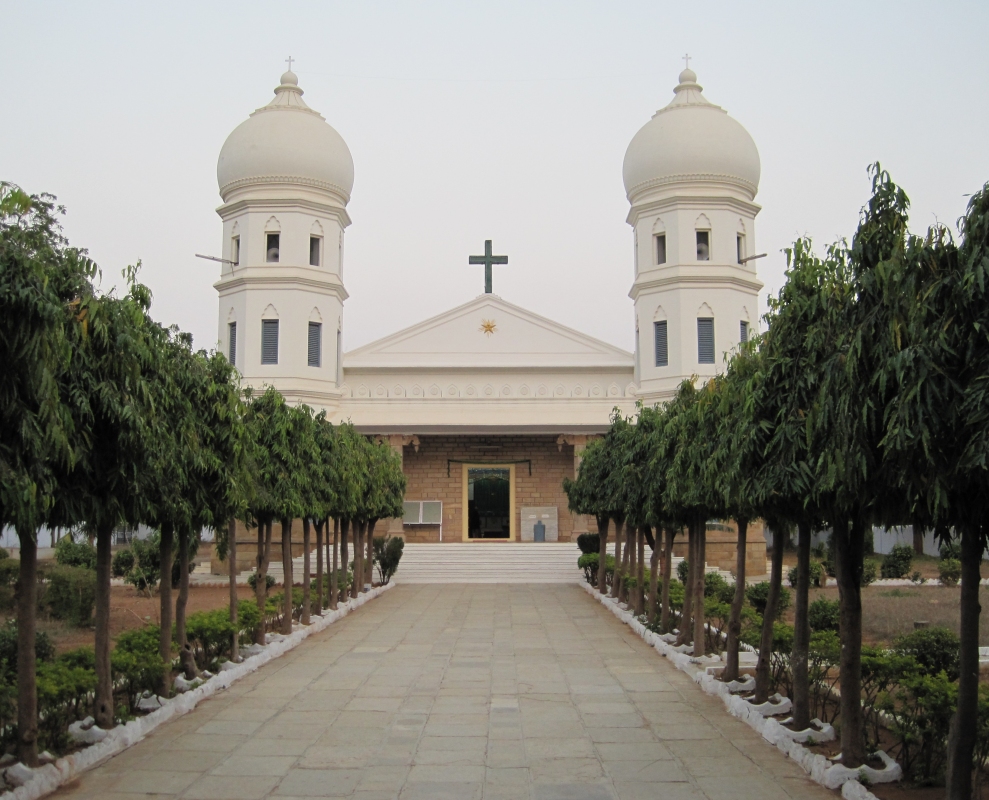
[{"x": 487, "y": 332}]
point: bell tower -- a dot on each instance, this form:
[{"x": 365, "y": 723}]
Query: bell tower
[
  {"x": 285, "y": 177},
  {"x": 691, "y": 175}
]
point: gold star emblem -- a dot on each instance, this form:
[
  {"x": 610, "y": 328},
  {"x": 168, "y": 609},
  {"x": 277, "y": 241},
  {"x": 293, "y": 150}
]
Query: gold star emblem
[{"x": 488, "y": 327}]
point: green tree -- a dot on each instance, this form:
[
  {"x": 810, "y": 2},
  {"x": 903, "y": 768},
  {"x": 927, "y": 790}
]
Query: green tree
[{"x": 44, "y": 291}]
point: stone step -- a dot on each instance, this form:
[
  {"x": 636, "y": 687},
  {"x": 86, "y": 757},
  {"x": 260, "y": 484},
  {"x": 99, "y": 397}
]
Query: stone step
[{"x": 480, "y": 562}]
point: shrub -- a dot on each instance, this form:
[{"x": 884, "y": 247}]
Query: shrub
[
  {"x": 897, "y": 562},
  {"x": 919, "y": 709},
  {"x": 210, "y": 634},
  {"x": 589, "y": 543},
  {"x": 950, "y": 550},
  {"x": 63, "y": 696},
  {"x": 72, "y": 554},
  {"x": 136, "y": 664},
  {"x": 123, "y": 563},
  {"x": 589, "y": 563},
  {"x": 4, "y": 553},
  {"x": 630, "y": 581},
  {"x": 44, "y": 650},
  {"x": 935, "y": 650},
  {"x": 9, "y": 568},
  {"x": 816, "y": 573},
  {"x": 387, "y": 553},
  {"x": 252, "y": 581},
  {"x": 683, "y": 571},
  {"x": 71, "y": 594},
  {"x": 147, "y": 562},
  {"x": 248, "y": 619},
  {"x": 824, "y": 615},
  {"x": 758, "y": 596},
  {"x": 870, "y": 571},
  {"x": 949, "y": 570}
]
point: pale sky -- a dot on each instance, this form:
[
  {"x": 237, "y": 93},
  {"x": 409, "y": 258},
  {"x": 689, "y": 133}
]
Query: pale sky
[{"x": 478, "y": 120}]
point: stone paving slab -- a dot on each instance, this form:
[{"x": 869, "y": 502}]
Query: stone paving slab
[{"x": 493, "y": 692}]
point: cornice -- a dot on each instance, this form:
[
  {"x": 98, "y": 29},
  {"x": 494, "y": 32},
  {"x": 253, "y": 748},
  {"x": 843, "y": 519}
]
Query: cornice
[
  {"x": 295, "y": 180},
  {"x": 697, "y": 202},
  {"x": 693, "y": 177},
  {"x": 228, "y": 210},
  {"x": 677, "y": 277},
  {"x": 232, "y": 283}
]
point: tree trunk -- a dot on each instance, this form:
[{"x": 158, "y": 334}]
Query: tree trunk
[
  {"x": 628, "y": 560},
  {"x": 345, "y": 526},
  {"x": 261, "y": 576},
  {"x": 234, "y": 600},
  {"x": 287, "y": 573},
  {"x": 602, "y": 554},
  {"x": 27, "y": 680},
  {"x": 186, "y": 660},
  {"x": 763, "y": 671},
  {"x": 334, "y": 568},
  {"x": 165, "y": 597},
  {"x": 664, "y": 606},
  {"x": 848, "y": 551},
  {"x": 700, "y": 555},
  {"x": 640, "y": 572},
  {"x": 801, "y": 632},
  {"x": 616, "y": 577},
  {"x": 358, "y": 581},
  {"x": 918, "y": 540},
  {"x": 654, "y": 578},
  {"x": 319, "y": 524},
  {"x": 735, "y": 620},
  {"x": 306, "y": 571},
  {"x": 964, "y": 724},
  {"x": 370, "y": 551},
  {"x": 686, "y": 614},
  {"x": 103, "y": 705}
]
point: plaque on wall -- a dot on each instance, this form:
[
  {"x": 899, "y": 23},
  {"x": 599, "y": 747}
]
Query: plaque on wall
[{"x": 547, "y": 515}]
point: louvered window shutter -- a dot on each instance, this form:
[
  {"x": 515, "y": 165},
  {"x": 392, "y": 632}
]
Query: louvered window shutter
[
  {"x": 315, "y": 343},
  {"x": 705, "y": 340},
  {"x": 269, "y": 341},
  {"x": 743, "y": 334},
  {"x": 232, "y": 350},
  {"x": 662, "y": 345}
]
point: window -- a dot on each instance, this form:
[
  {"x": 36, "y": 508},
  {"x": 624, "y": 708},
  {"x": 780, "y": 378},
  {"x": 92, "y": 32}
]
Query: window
[
  {"x": 271, "y": 247},
  {"x": 232, "y": 347},
  {"x": 703, "y": 245},
  {"x": 235, "y": 250},
  {"x": 662, "y": 344},
  {"x": 743, "y": 333},
  {"x": 269, "y": 341},
  {"x": 661, "y": 248},
  {"x": 705, "y": 340},
  {"x": 740, "y": 247},
  {"x": 422, "y": 512},
  {"x": 315, "y": 344},
  {"x": 314, "y": 247}
]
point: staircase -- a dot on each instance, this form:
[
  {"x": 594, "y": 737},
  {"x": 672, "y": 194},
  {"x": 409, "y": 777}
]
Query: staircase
[{"x": 478, "y": 562}]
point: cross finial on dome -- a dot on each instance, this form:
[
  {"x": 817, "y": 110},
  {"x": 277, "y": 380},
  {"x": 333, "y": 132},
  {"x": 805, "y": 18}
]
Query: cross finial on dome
[
  {"x": 686, "y": 61},
  {"x": 289, "y": 61}
]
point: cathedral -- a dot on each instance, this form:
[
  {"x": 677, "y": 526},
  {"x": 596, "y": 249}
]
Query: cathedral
[{"x": 488, "y": 404}]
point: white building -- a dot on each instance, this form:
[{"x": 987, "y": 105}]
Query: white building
[{"x": 489, "y": 404}]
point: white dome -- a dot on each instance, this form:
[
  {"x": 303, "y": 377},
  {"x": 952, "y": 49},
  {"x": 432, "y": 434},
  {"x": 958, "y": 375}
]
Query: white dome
[
  {"x": 286, "y": 141},
  {"x": 691, "y": 139}
]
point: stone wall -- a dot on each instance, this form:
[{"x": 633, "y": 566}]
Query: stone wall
[{"x": 722, "y": 540}]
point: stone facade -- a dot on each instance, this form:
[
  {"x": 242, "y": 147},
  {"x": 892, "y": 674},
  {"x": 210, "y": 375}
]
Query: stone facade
[{"x": 433, "y": 475}]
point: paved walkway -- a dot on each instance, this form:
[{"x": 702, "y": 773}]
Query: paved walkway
[{"x": 460, "y": 692}]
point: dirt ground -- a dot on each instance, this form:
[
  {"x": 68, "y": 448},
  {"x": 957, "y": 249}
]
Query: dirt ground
[
  {"x": 889, "y": 611},
  {"x": 131, "y": 609}
]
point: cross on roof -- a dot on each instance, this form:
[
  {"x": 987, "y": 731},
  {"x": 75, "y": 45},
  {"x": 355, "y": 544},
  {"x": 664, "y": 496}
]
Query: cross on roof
[
  {"x": 488, "y": 260},
  {"x": 686, "y": 60},
  {"x": 289, "y": 61}
]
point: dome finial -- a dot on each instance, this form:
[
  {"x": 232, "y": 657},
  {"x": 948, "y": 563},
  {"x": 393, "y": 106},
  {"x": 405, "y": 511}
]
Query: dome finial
[{"x": 289, "y": 78}]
